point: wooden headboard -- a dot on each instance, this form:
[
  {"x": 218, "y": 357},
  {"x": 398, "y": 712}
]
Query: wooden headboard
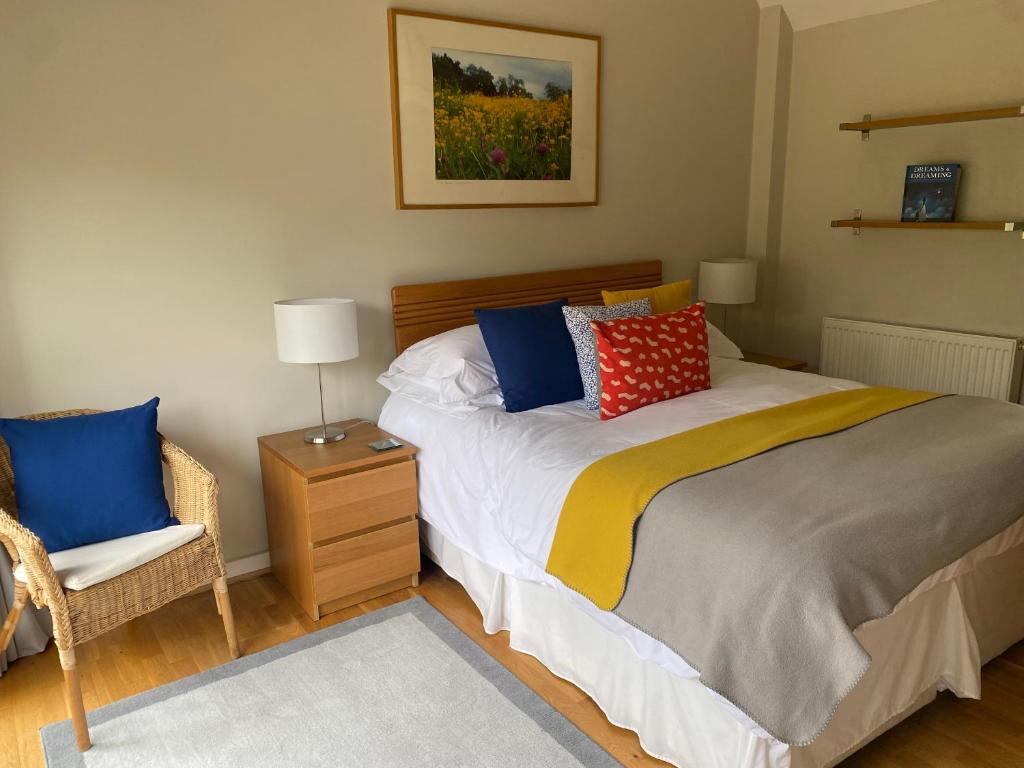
[{"x": 424, "y": 310}]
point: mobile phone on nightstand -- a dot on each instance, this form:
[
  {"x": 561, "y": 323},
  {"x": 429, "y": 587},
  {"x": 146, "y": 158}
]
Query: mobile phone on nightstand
[{"x": 385, "y": 445}]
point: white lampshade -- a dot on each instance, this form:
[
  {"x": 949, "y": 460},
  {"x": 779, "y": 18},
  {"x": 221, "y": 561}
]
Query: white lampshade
[
  {"x": 316, "y": 330},
  {"x": 728, "y": 281}
]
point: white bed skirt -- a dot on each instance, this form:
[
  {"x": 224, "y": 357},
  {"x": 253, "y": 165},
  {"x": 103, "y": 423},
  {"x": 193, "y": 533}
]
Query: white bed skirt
[{"x": 936, "y": 639}]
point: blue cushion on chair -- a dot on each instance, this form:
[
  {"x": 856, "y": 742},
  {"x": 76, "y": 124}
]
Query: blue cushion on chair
[
  {"x": 83, "y": 479},
  {"x": 533, "y": 355}
]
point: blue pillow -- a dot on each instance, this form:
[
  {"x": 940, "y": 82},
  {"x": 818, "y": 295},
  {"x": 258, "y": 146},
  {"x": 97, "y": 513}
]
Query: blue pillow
[
  {"x": 533, "y": 355},
  {"x": 83, "y": 479}
]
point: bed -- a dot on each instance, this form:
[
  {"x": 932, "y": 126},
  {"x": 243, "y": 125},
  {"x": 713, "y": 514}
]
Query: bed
[{"x": 491, "y": 487}]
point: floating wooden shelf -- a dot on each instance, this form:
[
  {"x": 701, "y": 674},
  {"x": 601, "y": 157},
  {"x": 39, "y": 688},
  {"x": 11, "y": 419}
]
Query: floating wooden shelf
[
  {"x": 1002, "y": 226},
  {"x": 867, "y": 125},
  {"x": 996, "y": 226}
]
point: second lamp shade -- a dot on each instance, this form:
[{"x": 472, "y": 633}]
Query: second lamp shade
[{"x": 728, "y": 280}]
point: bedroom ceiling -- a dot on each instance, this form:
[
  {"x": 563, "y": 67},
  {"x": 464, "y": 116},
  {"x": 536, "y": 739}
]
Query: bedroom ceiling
[{"x": 804, "y": 14}]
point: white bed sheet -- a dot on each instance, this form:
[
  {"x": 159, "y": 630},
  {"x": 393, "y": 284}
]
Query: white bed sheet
[{"x": 493, "y": 483}]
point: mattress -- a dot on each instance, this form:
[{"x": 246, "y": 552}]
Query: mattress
[{"x": 492, "y": 485}]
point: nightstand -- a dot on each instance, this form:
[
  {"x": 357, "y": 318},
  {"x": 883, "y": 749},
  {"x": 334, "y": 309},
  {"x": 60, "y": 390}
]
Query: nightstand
[
  {"x": 341, "y": 518},
  {"x": 785, "y": 363}
]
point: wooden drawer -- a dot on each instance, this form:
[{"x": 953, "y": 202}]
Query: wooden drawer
[
  {"x": 364, "y": 500},
  {"x": 361, "y": 562}
]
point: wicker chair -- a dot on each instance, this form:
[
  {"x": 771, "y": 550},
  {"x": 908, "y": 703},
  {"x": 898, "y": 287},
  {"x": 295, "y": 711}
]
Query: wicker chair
[{"x": 79, "y": 616}]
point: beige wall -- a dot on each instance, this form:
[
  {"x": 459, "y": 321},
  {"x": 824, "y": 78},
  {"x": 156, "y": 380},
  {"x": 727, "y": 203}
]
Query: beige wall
[
  {"x": 168, "y": 169},
  {"x": 952, "y": 54},
  {"x": 768, "y": 172}
]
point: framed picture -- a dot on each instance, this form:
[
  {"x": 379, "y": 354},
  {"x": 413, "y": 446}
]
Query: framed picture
[{"x": 491, "y": 115}]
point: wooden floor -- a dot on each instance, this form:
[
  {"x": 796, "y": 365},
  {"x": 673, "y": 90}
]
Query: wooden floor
[{"x": 187, "y": 637}]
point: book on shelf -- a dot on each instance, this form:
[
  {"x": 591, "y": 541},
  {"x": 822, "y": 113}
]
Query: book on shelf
[{"x": 930, "y": 192}]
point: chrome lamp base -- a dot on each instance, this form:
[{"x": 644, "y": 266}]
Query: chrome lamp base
[{"x": 322, "y": 435}]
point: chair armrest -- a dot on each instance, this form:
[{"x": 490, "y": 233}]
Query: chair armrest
[
  {"x": 195, "y": 491},
  {"x": 28, "y": 549}
]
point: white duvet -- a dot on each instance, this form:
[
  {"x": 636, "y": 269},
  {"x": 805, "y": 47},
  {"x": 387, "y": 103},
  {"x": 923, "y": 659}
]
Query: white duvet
[{"x": 493, "y": 483}]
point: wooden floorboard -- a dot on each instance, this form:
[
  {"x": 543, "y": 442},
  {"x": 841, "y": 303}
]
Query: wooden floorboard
[{"x": 187, "y": 637}]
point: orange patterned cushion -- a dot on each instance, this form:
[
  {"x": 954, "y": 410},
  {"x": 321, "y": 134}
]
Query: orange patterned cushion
[{"x": 650, "y": 358}]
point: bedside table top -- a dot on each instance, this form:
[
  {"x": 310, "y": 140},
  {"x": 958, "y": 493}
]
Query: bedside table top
[
  {"x": 786, "y": 363},
  {"x": 352, "y": 453}
]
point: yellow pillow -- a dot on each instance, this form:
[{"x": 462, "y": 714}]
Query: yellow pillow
[{"x": 664, "y": 298}]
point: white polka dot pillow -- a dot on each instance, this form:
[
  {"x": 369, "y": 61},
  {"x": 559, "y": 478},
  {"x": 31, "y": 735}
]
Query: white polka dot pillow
[
  {"x": 577, "y": 320},
  {"x": 643, "y": 360}
]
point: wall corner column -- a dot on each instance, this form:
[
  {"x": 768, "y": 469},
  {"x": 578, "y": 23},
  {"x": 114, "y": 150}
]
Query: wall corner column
[{"x": 767, "y": 172}]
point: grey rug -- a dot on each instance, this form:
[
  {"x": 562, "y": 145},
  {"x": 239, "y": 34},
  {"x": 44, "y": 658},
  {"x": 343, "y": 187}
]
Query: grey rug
[{"x": 398, "y": 687}]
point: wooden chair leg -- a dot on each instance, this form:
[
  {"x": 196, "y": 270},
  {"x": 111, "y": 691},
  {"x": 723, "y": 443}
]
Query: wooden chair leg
[
  {"x": 220, "y": 590},
  {"x": 11, "y": 622},
  {"x": 73, "y": 699}
]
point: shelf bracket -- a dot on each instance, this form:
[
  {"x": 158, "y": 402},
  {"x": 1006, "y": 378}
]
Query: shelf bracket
[
  {"x": 865, "y": 135},
  {"x": 858, "y": 214}
]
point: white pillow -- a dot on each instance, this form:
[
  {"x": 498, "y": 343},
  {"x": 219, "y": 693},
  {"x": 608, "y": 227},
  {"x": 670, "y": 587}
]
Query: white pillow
[
  {"x": 427, "y": 392},
  {"x": 719, "y": 345},
  {"x": 453, "y": 367}
]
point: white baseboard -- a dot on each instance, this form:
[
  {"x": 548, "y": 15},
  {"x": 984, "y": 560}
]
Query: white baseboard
[{"x": 244, "y": 565}]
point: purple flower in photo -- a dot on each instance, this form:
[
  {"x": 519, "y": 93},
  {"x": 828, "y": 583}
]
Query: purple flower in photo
[
  {"x": 498, "y": 156},
  {"x": 547, "y": 177},
  {"x": 542, "y": 149}
]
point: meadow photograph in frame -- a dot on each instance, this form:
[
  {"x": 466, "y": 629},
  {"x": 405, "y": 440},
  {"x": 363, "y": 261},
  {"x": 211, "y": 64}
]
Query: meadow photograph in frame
[{"x": 487, "y": 114}]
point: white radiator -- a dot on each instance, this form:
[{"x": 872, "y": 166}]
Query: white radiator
[{"x": 921, "y": 358}]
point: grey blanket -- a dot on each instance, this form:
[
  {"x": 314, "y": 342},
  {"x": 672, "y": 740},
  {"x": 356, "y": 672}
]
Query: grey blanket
[{"x": 758, "y": 573}]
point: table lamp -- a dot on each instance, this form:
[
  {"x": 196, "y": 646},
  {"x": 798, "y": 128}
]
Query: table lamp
[
  {"x": 728, "y": 281},
  {"x": 317, "y": 331}
]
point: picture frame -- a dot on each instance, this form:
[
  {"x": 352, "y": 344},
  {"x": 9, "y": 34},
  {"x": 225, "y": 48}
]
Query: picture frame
[{"x": 487, "y": 114}]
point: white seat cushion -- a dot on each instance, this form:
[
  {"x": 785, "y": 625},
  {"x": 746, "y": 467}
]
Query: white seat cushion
[{"x": 82, "y": 567}]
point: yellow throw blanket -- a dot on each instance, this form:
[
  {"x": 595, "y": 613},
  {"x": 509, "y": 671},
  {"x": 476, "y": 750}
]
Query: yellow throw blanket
[{"x": 593, "y": 546}]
